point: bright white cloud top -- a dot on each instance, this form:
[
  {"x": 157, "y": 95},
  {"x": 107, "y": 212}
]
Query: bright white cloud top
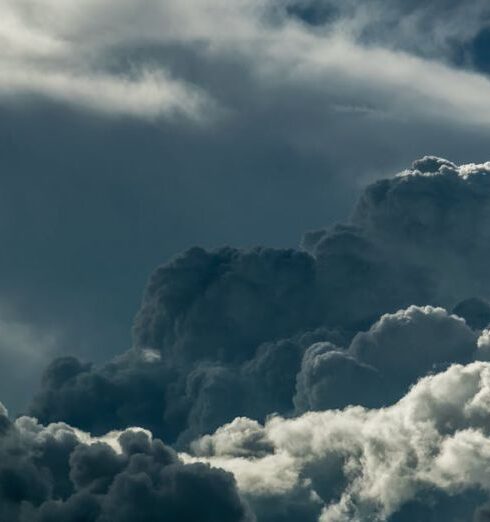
[{"x": 373, "y": 461}]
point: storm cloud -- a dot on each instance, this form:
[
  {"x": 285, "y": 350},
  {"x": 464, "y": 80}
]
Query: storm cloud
[
  {"x": 345, "y": 380},
  {"x": 55, "y": 472},
  {"x": 356, "y": 317}
]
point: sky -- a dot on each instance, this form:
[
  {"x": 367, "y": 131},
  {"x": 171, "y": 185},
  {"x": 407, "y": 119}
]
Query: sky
[{"x": 224, "y": 222}]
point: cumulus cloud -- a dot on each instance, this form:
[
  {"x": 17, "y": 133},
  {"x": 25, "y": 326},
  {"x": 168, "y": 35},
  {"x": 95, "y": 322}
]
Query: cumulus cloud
[
  {"x": 230, "y": 333},
  {"x": 55, "y": 472},
  {"x": 381, "y": 363},
  {"x": 411, "y": 342},
  {"x": 374, "y": 464},
  {"x": 310, "y": 375}
]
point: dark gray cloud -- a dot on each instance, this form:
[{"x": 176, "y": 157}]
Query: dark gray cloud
[
  {"x": 219, "y": 305},
  {"x": 331, "y": 378},
  {"x": 229, "y": 333},
  {"x": 475, "y": 311},
  {"x": 54, "y": 473}
]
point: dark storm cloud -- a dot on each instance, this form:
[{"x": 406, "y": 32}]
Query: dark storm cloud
[
  {"x": 220, "y": 305},
  {"x": 229, "y": 333},
  {"x": 330, "y": 378},
  {"x": 54, "y": 473},
  {"x": 381, "y": 363}
]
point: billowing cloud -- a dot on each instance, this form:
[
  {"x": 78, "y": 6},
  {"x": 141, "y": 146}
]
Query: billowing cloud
[
  {"x": 421, "y": 458},
  {"x": 348, "y": 380},
  {"x": 345, "y": 380},
  {"x": 57, "y": 473},
  {"x": 232, "y": 333}
]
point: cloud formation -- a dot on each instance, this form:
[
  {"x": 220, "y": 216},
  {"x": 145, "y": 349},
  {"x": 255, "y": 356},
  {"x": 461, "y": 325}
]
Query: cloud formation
[
  {"x": 57, "y": 473},
  {"x": 424, "y": 458},
  {"x": 347, "y": 380},
  {"x": 232, "y": 333}
]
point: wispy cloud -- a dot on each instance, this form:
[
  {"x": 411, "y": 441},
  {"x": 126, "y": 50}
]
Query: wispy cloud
[{"x": 62, "y": 50}]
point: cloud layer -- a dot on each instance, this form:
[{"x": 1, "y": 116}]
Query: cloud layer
[{"x": 67, "y": 51}]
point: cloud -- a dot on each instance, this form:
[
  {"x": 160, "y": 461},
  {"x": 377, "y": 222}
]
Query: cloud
[
  {"x": 189, "y": 106},
  {"x": 411, "y": 342},
  {"x": 147, "y": 94},
  {"x": 475, "y": 311},
  {"x": 380, "y": 364},
  {"x": 308, "y": 374},
  {"x": 331, "y": 378},
  {"x": 369, "y": 464},
  {"x": 393, "y": 24},
  {"x": 66, "y": 50},
  {"x": 55, "y": 472},
  {"x": 249, "y": 333},
  {"x": 53, "y": 49}
]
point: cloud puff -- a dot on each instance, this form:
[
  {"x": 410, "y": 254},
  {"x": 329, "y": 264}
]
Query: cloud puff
[
  {"x": 381, "y": 363},
  {"x": 411, "y": 342},
  {"x": 370, "y": 464},
  {"x": 55, "y": 472},
  {"x": 219, "y": 305}
]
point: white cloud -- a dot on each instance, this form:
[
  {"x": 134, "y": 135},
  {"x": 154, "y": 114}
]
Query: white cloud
[
  {"x": 58, "y": 49},
  {"x": 147, "y": 94},
  {"x": 437, "y": 436},
  {"x": 483, "y": 343}
]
